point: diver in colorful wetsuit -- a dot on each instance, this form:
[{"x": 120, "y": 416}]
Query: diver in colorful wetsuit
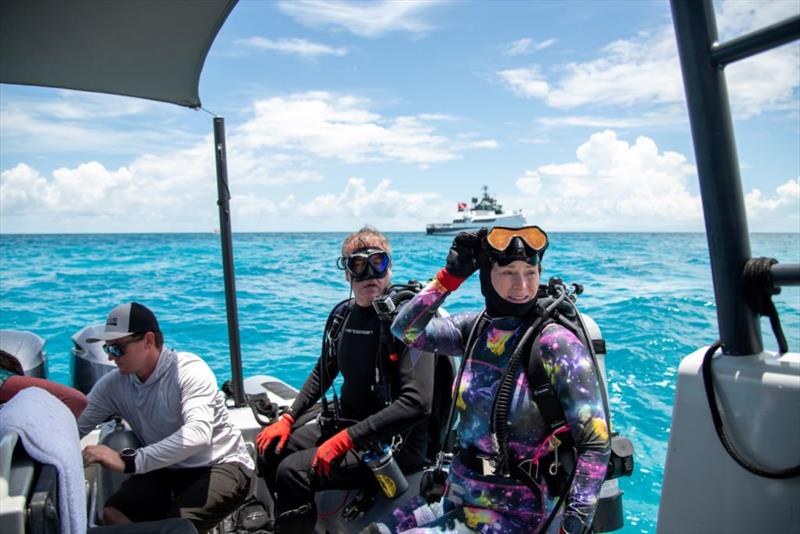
[
  {"x": 476, "y": 498},
  {"x": 298, "y": 460}
]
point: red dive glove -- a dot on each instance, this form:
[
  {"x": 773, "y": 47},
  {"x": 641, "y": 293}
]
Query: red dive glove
[
  {"x": 326, "y": 453},
  {"x": 279, "y": 429},
  {"x": 448, "y": 281}
]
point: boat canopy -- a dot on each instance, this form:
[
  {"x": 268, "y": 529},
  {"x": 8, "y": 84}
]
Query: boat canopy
[
  {"x": 144, "y": 48},
  {"x": 153, "y": 49}
]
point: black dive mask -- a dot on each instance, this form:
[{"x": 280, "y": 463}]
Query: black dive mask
[
  {"x": 505, "y": 245},
  {"x": 365, "y": 264}
]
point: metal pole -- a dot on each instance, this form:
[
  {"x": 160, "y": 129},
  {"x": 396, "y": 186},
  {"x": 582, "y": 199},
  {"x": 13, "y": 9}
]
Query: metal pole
[
  {"x": 223, "y": 202},
  {"x": 756, "y": 42},
  {"x": 718, "y": 171},
  {"x": 786, "y": 274}
]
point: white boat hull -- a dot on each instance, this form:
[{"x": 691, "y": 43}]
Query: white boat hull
[
  {"x": 513, "y": 220},
  {"x": 704, "y": 489}
]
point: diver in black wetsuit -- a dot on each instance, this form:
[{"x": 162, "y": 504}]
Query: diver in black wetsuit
[{"x": 385, "y": 393}]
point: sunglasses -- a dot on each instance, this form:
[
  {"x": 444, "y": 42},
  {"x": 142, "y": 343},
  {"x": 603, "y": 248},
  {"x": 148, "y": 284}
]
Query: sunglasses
[
  {"x": 117, "y": 350},
  {"x": 500, "y": 237},
  {"x": 365, "y": 264}
]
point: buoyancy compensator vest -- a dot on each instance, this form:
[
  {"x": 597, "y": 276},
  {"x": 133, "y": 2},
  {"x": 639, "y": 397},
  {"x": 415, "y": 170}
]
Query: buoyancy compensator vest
[
  {"x": 387, "y": 306},
  {"x": 387, "y": 361},
  {"x": 388, "y": 347},
  {"x": 555, "y": 304}
]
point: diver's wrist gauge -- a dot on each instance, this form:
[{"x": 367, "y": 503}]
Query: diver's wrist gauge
[{"x": 129, "y": 457}]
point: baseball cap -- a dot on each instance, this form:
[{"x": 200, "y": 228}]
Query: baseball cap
[{"x": 126, "y": 320}]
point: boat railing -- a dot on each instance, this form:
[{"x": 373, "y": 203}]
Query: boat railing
[{"x": 703, "y": 60}]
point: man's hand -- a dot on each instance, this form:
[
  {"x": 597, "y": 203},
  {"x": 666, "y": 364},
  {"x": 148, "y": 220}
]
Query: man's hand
[
  {"x": 280, "y": 429},
  {"x": 326, "y": 453},
  {"x": 103, "y": 455}
]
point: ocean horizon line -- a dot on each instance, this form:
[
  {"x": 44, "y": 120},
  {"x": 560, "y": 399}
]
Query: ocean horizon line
[{"x": 317, "y": 232}]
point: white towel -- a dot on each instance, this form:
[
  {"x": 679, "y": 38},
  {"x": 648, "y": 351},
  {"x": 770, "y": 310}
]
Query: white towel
[{"x": 49, "y": 434}]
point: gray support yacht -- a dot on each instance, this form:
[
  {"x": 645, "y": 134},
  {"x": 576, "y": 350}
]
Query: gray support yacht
[{"x": 484, "y": 212}]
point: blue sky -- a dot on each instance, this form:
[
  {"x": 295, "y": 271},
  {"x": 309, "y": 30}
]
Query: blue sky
[{"x": 389, "y": 113}]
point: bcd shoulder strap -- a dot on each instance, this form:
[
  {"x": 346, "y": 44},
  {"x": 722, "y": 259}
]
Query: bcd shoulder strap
[
  {"x": 330, "y": 345},
  {"x": 542, "y": 391},
  {"x": 475, "y": 331},
  {"x": 387, "y": 360},
  {"x": 337, "y": 318}
]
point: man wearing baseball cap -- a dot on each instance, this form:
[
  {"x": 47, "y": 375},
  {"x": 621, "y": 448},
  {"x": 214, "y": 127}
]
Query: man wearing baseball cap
[{"x": 193, "y": 462}]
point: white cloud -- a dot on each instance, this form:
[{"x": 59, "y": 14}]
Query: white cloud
[
  {"x": 21, "y": 188},
  {"x": 89, "y": 106},
  {"x": 618, "y": 186},
  {"x": 611, "y": 185},
  {"x": 436, "y": 117},
  {"x": 172, "y": 191},
  {"x": 526, "y": 46},
  {"x": 768, "y": 82},
  {"x": 358, "y": 201},
  {"x": 664, "y": 117},
  {"x": 254, "y": 171},
  {"x": 300, "y": 47},
  {"x": 642, "y": 70},
  {"x": 138, "y": 197},
  {"x": 780, "y": 212},
  {"x": 544, "y": 44},
  {"x": 735, "y": 18},
  {"x": 520, "y": 47},
  {"x": 530, "y": 183},
  {"x": 615, "y": 184},
  {"x": 485, "y": 143},
  {"x": 565, "y": 169},
  {"x": 285, "y": 143},
  {"x": 341, "y": 127},
  {"x": 367, "y": 19},
  {"x": 645, "y": 70},
  {"x": 60, "y": 124},
  {"x": 528, "y": 82},
  {"x": 251, "y": 205}
]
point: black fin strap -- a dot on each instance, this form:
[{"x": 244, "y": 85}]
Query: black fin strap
[
  {"x": 726, "y": 441},
  {"x": 759, "y": 288}
]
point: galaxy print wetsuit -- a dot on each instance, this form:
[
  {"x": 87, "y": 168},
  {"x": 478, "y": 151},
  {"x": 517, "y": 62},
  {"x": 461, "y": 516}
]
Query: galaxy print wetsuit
[{"x": 477, "y": 503}]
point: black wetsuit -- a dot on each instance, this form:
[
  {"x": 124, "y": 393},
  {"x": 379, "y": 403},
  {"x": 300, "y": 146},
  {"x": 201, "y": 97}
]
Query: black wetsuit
[{"x": 410, "y": 382}]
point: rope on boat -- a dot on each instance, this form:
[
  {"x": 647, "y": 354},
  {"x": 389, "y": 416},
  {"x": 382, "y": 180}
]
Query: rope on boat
[
  {"x": 758, "y": 289},
  {"x": 726, "y": 441}
]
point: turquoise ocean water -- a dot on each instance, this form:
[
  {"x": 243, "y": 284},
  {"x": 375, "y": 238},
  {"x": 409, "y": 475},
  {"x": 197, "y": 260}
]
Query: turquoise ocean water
[{"x": 651, "y": 295}]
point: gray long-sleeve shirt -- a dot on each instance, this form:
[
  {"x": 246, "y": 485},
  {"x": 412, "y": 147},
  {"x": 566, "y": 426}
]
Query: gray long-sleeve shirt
[{"x": 179, "y": 414}]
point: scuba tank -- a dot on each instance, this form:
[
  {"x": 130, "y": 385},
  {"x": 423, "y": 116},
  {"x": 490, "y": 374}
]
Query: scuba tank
[{"x": 390, "y": 477}]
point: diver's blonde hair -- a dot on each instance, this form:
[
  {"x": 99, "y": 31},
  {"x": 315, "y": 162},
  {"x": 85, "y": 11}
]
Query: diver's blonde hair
[{"x": 367, "y": 236}]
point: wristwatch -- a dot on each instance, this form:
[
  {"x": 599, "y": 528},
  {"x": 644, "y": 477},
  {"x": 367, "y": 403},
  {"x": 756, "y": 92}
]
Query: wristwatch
[{"x": 128, "y": 456}]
